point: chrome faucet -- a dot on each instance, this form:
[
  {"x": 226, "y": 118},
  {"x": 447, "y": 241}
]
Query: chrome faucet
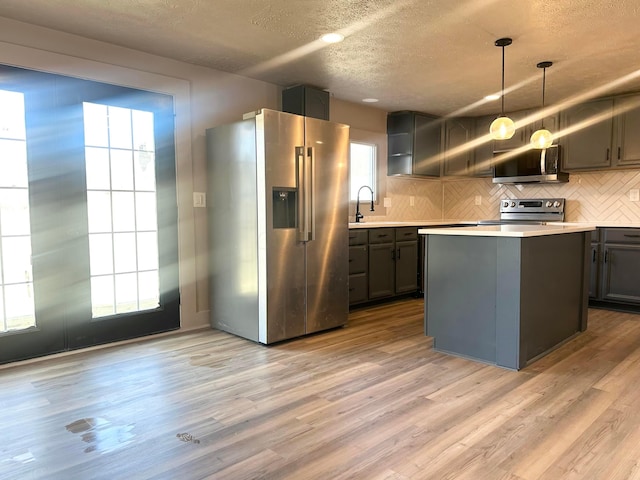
[{"x": 358, "y": 214}]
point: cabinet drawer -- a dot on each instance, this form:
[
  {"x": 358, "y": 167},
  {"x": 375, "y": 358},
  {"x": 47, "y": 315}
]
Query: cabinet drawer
[
  {"x": 381, "y": 235},
  {"x": 358, "y": 288},
  {"x": 406, "y": 233},
  {"x": 622, "y": 235},
  {"x": 358, "y": 236},
  {"x": 358, "y": 259}
]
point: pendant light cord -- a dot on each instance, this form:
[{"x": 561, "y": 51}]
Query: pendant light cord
[
  {"x": 502, "y": 94},
  {"x": 544, "y": 82}
]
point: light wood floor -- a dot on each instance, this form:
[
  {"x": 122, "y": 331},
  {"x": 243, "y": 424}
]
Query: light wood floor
[{"x": 370, "y": 401}]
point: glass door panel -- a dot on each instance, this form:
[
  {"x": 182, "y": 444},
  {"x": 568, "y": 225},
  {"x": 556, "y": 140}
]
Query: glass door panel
[
  {"x": 121, "y": 201},
  {"x": 17, "y": 307}
]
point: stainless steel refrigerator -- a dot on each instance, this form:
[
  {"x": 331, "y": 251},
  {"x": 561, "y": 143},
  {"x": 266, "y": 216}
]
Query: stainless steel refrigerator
[{"x": 278, "y": 226}]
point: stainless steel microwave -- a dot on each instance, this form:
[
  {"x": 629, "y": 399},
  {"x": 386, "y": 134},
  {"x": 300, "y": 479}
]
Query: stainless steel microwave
[{"x": 529, "y": 166}]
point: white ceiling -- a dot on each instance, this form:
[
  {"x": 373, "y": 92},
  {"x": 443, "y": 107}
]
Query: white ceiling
[{"x": 435, "y": 56}]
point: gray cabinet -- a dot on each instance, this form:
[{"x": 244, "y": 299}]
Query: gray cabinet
[
  {"x": 358, "y": 266},
  {"x": 414, "y": 144},
  {"x": 383, "y": 263},
  {"x": 595, "y": 264},
  {"x": 483, "y": 153},
  {"x": 458, "y": 160},
  {"x": 615, "y": 268},
  {"x": 626, "y": 150},
  {"x": 406, "y": 260},
  {"x": 589, "y": 146},
  {"x": 621, "y": 265}
]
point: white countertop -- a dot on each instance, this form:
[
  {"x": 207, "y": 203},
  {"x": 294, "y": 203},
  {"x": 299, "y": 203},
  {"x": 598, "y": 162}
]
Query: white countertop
[
  {"x": 605, "y": 224},
  {"x": 508, "y": 230},
  {"x": 435, "y": 223},
  {"x": 417, "y": 223}
]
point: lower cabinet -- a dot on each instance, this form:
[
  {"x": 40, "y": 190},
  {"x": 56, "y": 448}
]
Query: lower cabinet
[
  {"x": 381, "y": 270},
  {"x": 358, "y": 266},
  {"x": 618, "y": 268},
  {"x": 595, "y": 270},
  {"x": 391, "y": 265}
]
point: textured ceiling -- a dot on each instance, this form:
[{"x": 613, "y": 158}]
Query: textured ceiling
[{"x": 436, "y": 56}]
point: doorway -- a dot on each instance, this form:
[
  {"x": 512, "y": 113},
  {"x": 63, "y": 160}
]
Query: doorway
[{"x": 88, "y": 214}]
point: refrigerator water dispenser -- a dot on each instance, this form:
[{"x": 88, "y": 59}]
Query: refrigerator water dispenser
[{"x": 285, "y": 204}]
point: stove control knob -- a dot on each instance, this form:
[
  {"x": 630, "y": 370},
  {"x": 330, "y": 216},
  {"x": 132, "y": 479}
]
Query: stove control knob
[
  {"x": 513, "y": 204},
  {"x": 556, "y": 204},
  {"x": 505, "y": 204},
  {"x": 549, "y": 204}
]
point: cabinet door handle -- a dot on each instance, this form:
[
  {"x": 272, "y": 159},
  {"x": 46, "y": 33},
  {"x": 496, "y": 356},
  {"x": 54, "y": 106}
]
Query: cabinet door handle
[
  {"x": 631, "y": 235},
  {"x": 593, "y": 261},
  {"x": 398, "y": 254},
  {"x": 606, "y": 254},
  {"x": 407, "y": 234},
  {"x": 618, "y": 153},
  {"x": 607, "y": 154}
]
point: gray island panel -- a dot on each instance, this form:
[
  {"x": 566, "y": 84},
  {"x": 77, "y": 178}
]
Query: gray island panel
[
  {"x": 505, "y": 300},
  {"x": 461, "y": 276}
]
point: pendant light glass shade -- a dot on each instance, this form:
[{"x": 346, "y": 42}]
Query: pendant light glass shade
[
  {"x": 542, "y": 138},
  {"x": 502, "y": 128}
]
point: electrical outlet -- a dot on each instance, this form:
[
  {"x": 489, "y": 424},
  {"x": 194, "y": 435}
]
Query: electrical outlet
[
  {"x": 634, "y": 195},
  {"x": 412, "y": 201},
  {"x": 387, "y": 202},
  {"x": 478, "y": 200},
  {"x": 199, "y": 199}
]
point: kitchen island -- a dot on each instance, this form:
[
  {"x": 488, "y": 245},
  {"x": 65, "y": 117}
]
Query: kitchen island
[{"x": 505, "y": 294}]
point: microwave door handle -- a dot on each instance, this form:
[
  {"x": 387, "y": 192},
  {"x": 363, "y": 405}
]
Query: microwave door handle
[{"x": 543, "y": 161}]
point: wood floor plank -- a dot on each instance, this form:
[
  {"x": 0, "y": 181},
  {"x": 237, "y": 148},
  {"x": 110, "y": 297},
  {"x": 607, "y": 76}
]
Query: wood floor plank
[{"x": 368, "y": 401}]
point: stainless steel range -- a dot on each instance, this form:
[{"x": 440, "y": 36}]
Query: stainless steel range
[{"x": 536, "y": 211}]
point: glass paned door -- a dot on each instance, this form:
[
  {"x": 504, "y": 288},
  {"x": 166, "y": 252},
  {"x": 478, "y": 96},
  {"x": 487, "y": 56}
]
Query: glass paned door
[{"x": 88, "y": 214}]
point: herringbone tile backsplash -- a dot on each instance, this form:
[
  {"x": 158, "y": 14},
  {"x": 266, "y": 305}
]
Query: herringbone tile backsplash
[
  {"x": 591, "y": 196},
  {"x": 594, "y": 196}
]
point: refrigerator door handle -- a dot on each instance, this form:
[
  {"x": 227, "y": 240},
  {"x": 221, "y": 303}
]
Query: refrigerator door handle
[
  {"x": 311, "y": 219},
  {"x": 302, "y": 192}
]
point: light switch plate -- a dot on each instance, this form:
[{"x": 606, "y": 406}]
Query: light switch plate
[
  {"x": 634, "y": 195},
  {"x": 412, "y": 201},
  {"x": 199, "y": 199},
  {"x": 387, "y": 202}
]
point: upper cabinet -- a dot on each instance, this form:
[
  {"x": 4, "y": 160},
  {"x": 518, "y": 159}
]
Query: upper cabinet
[
  {"x": 458, "y": 153},
  {"x": 627, "y": 127},
  {"x": 463, "y": 154},
  {"x": 598, "y": 135},
  {"x": 588, "y": 147},
  {"x": 415, "y": 142},
  {"x": 607, "y": 134}
]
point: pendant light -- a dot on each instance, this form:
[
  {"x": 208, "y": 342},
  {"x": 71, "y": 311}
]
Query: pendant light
[
  {"x": 502, "y": 128},
  {"x": 542, "y": 138}
]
